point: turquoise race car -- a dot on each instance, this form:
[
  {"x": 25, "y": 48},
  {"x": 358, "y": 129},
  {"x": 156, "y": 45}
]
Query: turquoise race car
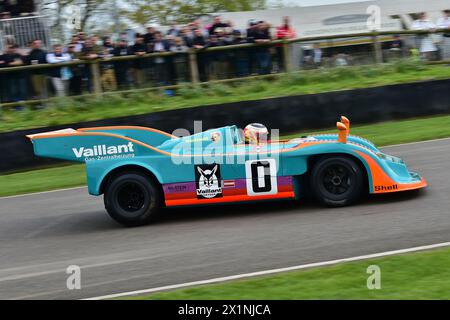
[{"x": 140, "y": 170}]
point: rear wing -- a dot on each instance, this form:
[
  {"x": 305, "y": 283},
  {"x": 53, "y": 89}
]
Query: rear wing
[{"x": 98, "y": 143}]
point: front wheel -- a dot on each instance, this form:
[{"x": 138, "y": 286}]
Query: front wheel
[
  {"x": 337, "y": 181},
  {"x": 132, "y": 199}
]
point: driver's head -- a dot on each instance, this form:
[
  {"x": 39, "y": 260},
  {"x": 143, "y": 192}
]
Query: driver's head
[{"x": 255, "y": 133}]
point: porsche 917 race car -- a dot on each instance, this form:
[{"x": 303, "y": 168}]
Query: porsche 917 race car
[{"x": 140, "y": 170}]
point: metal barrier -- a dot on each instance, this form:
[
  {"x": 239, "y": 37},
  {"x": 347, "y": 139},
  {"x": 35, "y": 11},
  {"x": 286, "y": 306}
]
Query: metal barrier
[
  {"x": 25, "y": 29},
  {"x": 170, "y": 70}
]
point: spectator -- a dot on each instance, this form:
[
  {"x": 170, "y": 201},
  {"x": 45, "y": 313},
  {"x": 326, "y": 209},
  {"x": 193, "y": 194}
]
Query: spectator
[
  {"x": 38, "y": 79},
  {"x": 121, "y": 67},
  {"x": 444, "y": 23},
  {"x": 82, "y": 37},
  {"x": 261, "y": 35},
  {"x": 341, "y": 60},
  {"x": 396, "y": 48},
  {"x": 180, "y": 60},
  {"x": 217, "y": 24},
  {"x": 218, "y": 59},
  {"x": 89, "y": 52},
  {"x": 108, "y": 45},
  {"x": 3, "y": 96},
  {"x": 162, "y": 70},
  {"x": 149, "y": 37},
  {"x": 108, "y": 76},
  {"x": 241, "y": 56},
  {"x": 317, "y": 55},
  {"x": 60, "y": 76},
  {"x": 75, "y": 83},
  {"x": 75, "y": 41},
  {"x": 139, "y": 49},
  {"x": 173, "y": 31},
  {"x": 199, "y": 43},
  {"x": 187, "y": 36},
  {"x": 16, "y": 86},
  {"x": 284, "y": 32},
  {"x": 426, "y": 45}
]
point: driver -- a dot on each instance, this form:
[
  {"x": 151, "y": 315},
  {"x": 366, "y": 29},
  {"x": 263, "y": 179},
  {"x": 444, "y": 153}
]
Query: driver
[{"x": 256, "y": 133}]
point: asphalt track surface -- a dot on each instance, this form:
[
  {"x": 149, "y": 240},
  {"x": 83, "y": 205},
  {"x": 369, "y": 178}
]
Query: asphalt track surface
[{"x": 42, "y": 234}]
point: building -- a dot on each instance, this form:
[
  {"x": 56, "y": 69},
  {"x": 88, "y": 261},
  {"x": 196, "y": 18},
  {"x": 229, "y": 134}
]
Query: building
[{"x": 345, "y": 18}]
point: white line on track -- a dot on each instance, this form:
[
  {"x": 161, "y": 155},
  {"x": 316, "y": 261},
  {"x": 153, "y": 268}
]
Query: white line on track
[
  {"x": 271, "y": 271},
  {"x": 416, "y": 142},
  {"x": 81, "y": 187},
  {"x": 43, "y": 192}
]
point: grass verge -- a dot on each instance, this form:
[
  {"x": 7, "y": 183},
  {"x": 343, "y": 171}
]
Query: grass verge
[
  {"x": 423, "y": 275},
  {"x": 71, "y": 110},
  {"x": 384, "y": 133}
]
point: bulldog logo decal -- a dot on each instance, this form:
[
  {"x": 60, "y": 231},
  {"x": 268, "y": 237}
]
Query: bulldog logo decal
[{"x": 208, "y": 181}]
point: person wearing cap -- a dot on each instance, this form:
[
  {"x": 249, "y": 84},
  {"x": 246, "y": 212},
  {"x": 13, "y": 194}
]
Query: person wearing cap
[{"x": 444, "y": 23}]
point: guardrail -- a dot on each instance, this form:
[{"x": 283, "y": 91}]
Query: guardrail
[{"x": 196, "y": 61}]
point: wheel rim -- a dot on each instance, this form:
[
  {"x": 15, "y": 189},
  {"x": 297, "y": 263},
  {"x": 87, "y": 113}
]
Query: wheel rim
[
  {"x": 337, "y": 179},
  {"x": 131, "y": 197}
]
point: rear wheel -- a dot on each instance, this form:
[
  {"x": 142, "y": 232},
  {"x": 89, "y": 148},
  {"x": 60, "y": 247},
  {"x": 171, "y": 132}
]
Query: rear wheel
[
  {"x": 132, "y": 199},
  {"x": 337, "y": 181}
]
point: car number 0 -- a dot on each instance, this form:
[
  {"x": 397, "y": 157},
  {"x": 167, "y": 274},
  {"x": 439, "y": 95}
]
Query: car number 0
[{"x": 261, "y": 177}]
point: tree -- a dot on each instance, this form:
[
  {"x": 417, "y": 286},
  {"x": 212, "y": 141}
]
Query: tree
[
  {"x": 64, "y": 13},
  {"x": 167, "y": 12}
]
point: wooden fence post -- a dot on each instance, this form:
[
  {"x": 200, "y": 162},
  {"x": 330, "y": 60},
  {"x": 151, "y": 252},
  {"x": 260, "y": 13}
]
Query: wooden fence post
[
  {"x": 377, "y": 48},
  {"x": 193, "y": 66},
  {"x": 287, "y": 57},
  {"x": 95, "y": 73}
]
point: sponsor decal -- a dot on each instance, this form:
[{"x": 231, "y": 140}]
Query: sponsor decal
[
  {"x": 215, "y": 136},
  {"x": 177, "y": 188},
  {"x": 208, "y": 181},
  {"x": 261, "y": 177},
  {"x": 103, "y": 150},
  {"x": 229, "y": 184},
  {"x": 386, "y": 188}
]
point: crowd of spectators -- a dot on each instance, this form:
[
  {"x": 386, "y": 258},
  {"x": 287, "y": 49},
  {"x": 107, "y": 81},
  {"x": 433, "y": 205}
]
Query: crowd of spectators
[
  {"x": 157, "y": 70},
  {"x": 429, "y": 48},
  {"x": 173, "y": 68}
]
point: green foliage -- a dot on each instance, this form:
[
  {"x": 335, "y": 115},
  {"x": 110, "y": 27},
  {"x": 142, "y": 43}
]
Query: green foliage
[
  {"x": 406, "y": 65},
  {"x": 423, "y": 275},
  {"x": 190, "y": 92},
  {"x": 85, "y": 108},
  {"x": 167, "y": 12}
]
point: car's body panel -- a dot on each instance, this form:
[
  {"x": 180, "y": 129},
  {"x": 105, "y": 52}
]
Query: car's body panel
[{"x": 182, "y": 164}]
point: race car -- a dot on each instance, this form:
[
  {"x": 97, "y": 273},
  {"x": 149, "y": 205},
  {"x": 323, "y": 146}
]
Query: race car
[{"x": 140, "y": 170}]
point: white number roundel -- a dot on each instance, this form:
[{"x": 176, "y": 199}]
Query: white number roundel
[{"x": 261, "y": 177}]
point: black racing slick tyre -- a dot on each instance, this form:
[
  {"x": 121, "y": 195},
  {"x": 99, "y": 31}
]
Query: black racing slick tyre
[
  {"x": 132, "y": 199},
  {"x": 337, "y": 181}
]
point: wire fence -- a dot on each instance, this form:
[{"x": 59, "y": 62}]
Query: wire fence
[
  {"x": 36, "y": 83},
  {"x": 22, "y": 30}
]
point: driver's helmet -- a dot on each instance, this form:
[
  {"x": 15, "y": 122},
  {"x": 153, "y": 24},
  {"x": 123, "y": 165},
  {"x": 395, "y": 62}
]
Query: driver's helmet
[{"x": 255, "y": 133}]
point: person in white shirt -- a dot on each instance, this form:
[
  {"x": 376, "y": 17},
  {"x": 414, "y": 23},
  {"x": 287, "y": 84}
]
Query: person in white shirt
[
  {"x": 444, "y": 23},
  {"x": 60, "y": 76},
  {"x": 426, "y": 44}
]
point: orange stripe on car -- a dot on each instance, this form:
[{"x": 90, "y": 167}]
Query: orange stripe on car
[{"x": 381, "y": 179}]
